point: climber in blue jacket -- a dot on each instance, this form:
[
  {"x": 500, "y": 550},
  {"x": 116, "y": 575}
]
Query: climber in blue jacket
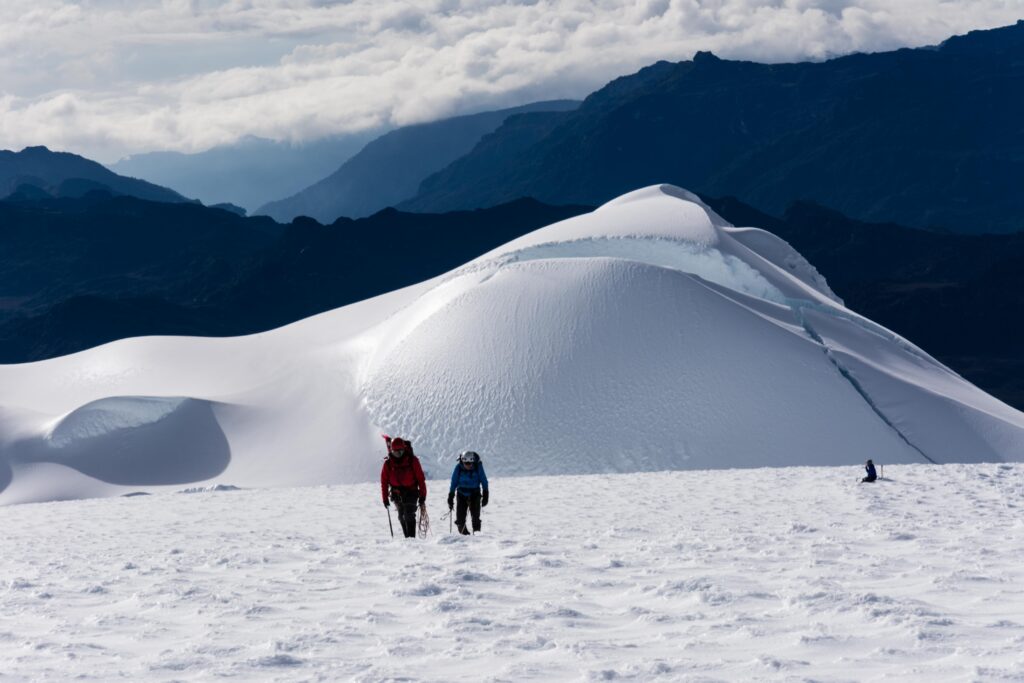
[{"x": 469, "y": 482}]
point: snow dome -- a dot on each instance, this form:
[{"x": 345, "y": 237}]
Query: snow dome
[{"x": 647, "y": 335}]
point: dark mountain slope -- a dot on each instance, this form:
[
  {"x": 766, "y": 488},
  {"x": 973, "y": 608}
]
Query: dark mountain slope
[
  {"x": 52, "y": 250},
  {"x": 68, "y": 175},
  {"x": 925, "y": 137},
  {"x": 390, "y": 168},
  {"x": 248, "y": 173},
  {"x": 77, "y": 273}
]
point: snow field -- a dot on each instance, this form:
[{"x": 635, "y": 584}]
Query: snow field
[{"x": 758, "y": 574}]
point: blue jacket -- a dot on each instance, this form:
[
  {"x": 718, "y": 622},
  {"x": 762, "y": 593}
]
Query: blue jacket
[
  {"x": 870, "y": 469},
  {"x": 468, "y": 480}
]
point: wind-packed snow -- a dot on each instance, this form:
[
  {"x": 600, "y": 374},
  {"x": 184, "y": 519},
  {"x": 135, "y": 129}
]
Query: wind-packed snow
[
  {"x": 774, "y": 574},
  {"x": 648, "y": 335}
]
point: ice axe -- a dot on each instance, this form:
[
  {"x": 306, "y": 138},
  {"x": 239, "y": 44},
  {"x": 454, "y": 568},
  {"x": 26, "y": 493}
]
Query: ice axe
[{"x": 388, "y": 508}]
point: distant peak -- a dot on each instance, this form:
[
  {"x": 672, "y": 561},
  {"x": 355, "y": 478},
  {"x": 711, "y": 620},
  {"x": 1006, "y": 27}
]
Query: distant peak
[{"x": 704, "y": 57}]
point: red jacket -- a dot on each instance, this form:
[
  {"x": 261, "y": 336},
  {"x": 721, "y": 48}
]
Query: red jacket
[{"x": 403, "y": 473}]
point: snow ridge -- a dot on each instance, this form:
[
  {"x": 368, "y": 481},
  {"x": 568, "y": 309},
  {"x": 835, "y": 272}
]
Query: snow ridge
[
  {"x": 848, "y": 376},
  {"x": 706, "y": 263}
]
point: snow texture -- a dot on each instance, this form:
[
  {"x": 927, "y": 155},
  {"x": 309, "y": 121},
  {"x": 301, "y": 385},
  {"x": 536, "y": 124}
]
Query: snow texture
[
  {"x": 648, "y": 335},
  {"x": 775, "y": 574}
]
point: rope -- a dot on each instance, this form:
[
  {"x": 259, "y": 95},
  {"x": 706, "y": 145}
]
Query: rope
[{"x": 424, "y": 524}]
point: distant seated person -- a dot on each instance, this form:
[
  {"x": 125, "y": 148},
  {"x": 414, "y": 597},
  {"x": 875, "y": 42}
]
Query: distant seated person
[{"x": 869, "y": 467}]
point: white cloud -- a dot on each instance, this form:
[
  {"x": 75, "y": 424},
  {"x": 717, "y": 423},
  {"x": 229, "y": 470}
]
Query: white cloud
[{"x": 108, "y": 77}]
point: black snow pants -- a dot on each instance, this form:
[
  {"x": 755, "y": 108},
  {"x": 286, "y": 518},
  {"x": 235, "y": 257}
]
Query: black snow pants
[
  {"x": 406, "y": 501},
  {"x": 471, "y": 500}
]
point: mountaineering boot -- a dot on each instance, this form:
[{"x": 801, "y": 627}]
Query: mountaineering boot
[{"x": 463, "y": 530}]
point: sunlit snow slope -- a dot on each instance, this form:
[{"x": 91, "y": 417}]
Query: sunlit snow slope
[
  {"x": 646, "y": 335},
  {"x": 771, "y": 575}
]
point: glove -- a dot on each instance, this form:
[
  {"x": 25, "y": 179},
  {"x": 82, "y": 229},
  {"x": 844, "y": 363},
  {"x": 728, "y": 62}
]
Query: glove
[
  {"x": 483, "y": 501},
  {"x": 451, "y": 500},
  {"x": 386, "y": 503}
]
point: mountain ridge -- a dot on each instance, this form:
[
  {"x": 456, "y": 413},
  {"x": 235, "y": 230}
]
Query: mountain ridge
[
  {"x": 70, "y": 175},
  {"x": 247, "y": 172},
  {"x": 76, "y": 273},
  {"x": 925, "y": 137},
  {"x": 389, "y": 168}
]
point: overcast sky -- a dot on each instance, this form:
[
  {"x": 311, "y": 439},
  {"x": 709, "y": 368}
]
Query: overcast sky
[{"x": 109, "y": 77}]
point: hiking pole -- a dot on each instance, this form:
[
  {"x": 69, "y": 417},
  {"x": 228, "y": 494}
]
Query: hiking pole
[{"x": 388, "y": 508}]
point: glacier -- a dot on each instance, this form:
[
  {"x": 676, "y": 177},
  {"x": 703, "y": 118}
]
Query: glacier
[{"x": 647, "y": 335}]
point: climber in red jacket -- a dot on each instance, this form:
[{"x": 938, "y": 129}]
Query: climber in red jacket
[{"x": 402, "y": 481}]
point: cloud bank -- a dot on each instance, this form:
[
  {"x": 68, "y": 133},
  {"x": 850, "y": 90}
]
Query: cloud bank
[{"x": 110, "y": 77}]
